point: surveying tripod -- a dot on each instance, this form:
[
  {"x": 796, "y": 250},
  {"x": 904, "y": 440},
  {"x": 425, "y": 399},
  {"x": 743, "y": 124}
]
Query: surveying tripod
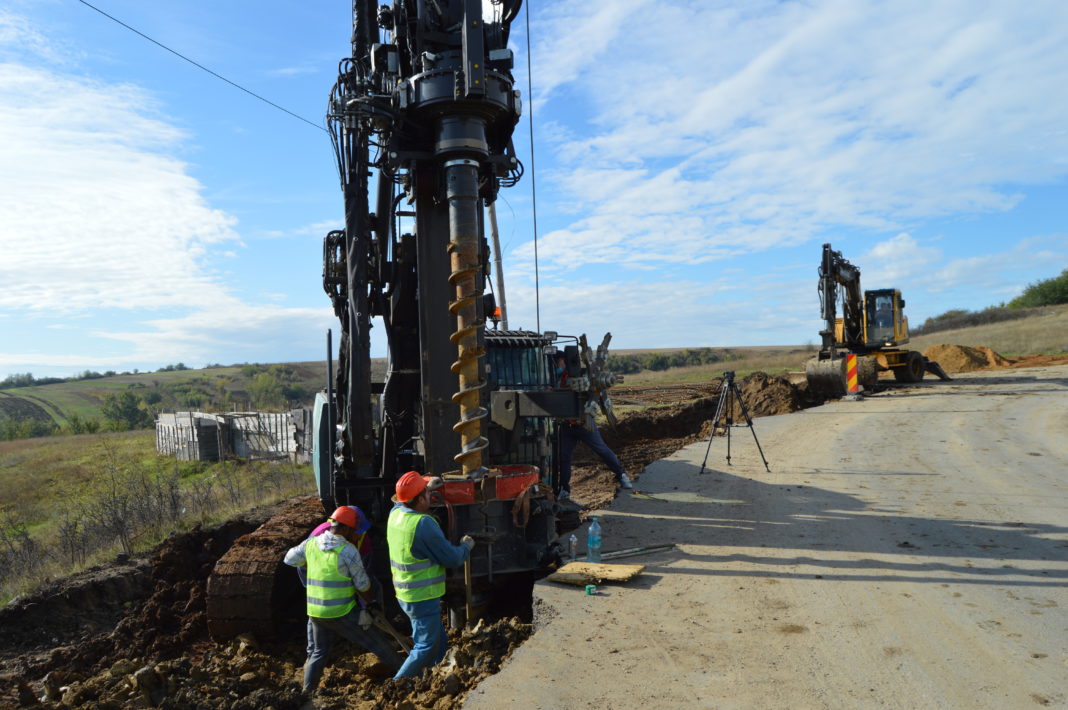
[{"x": 728, "y": 393}]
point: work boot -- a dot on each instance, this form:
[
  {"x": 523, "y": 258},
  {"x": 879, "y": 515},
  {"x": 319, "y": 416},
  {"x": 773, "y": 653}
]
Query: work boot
[{"x": 624, "y": 482}]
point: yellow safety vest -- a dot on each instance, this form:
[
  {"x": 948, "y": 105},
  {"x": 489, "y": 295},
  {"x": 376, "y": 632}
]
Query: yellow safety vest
[
  {"x": 330, "y": 593},
  {"x": 414, "y": 579}
]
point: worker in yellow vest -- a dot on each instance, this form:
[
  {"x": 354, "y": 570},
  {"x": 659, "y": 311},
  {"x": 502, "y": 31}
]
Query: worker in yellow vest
[
  {"x": 418, "y": 556},
  {"x": 338, "y": 593}
]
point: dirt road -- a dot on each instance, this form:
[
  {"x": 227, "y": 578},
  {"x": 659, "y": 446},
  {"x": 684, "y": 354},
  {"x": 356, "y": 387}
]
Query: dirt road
[{"x": 907, "y": 551}]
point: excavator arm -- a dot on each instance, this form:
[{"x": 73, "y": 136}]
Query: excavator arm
[{"x": 835, "y": 271}]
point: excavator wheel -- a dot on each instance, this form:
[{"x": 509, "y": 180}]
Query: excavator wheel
[{"x": 912, "y": 370}]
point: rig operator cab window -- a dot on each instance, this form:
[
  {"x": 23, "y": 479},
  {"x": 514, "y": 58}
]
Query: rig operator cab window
[{"x": 880, "y": 316}]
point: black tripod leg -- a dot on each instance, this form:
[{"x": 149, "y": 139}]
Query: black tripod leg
[
  {"x": 749, "y": 423},
  {"x": 712, "y": 433},
  {"x": 730, "y": 419}
]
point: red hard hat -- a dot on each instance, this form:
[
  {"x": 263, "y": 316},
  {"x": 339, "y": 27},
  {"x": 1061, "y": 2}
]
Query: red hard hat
[
  {"x": 346, "y": 516},
  {"x": 410, "y": 485}
]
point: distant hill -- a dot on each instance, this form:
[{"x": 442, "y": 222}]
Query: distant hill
[{"x": 71, "y": 404}]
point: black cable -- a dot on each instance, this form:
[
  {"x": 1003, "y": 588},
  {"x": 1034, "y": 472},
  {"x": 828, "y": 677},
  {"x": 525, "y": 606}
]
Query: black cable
[
  {"x": 201, "y": 66},
  {"x": 533, "y": 184}
]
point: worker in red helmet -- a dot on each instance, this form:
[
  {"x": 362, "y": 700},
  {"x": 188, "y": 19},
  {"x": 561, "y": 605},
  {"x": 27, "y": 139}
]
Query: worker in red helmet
[
  {"x": 338, "y": 592},
  {"x": 418, "y": 556}
]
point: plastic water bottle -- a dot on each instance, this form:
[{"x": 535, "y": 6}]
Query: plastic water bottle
[
  {"x": 572, "y": 547},
  {"x": 593, "y": 541}
]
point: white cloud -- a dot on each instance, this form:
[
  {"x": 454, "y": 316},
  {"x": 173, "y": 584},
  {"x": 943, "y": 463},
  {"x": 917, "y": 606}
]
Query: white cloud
[
  {"x": 292, "y": 71},
  {"x": 755, "y": 128},
  {"x": 899, "y": 258},
  {"x": 95, "y": 213},
  {"x": 18, "y": 36},
  {"x": 237, "y": 329}
]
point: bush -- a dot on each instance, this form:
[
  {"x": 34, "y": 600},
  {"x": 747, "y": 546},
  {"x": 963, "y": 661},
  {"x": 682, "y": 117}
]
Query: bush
[
  {"x": 1050, "y": 292},
  {"x": 11, "y": 429},
  {"x": 126, "y": 411},
  {"x": 77, "y": 425}
]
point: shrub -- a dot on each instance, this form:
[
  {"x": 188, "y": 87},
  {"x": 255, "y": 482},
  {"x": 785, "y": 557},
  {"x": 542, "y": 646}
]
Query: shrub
[
  {"x": 1049, "y": 292},
  {"x": 125, "y": 411}
]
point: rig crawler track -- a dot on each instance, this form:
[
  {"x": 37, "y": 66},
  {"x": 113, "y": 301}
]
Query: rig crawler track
[{"x": 251, "y": 589}]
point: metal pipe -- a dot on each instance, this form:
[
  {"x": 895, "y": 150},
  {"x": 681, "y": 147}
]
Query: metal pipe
[
  {"x": 331, "y": 421},
  {"x": 498, "y": 268},
  {"x": 633, "y": 551}
]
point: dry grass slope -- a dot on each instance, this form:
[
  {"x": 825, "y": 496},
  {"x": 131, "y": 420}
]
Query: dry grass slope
[{"x": 1045, "y": 334}]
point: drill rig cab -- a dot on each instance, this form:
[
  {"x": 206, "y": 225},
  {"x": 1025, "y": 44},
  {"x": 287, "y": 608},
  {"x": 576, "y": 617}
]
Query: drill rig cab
[{"x": 873, "y": 326}]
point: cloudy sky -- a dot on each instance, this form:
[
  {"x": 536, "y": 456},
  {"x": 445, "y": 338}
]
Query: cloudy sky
[{"x": 691, "y": 158}]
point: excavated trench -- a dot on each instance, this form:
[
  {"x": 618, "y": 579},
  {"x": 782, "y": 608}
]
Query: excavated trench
[{"x": 136, "y": 634}]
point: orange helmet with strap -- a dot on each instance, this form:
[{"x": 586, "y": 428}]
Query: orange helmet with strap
[
  {"x": 410, "y": 485},
  {"x": 346, "y": 516}
]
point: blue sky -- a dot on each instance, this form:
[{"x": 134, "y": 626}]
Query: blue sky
[{"x": 691, "y": 158}]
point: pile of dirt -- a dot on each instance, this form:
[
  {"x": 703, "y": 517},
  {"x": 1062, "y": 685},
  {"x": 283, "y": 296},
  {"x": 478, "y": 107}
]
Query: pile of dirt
[
  {"x": 965, "y": 358},
  {"x": 242, "y": 675},
  {"x": 135, "y": 635}
]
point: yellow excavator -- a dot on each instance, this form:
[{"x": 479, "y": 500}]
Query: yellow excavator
[{"x": 873, "y": 326}]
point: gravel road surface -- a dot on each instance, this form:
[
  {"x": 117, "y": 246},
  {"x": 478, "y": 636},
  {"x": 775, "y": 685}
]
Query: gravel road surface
[{"x": 907, "y": 551}]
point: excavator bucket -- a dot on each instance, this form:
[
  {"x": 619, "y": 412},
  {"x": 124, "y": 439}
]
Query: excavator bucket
[
  {"x": 935, "y": 369},
  {"x": 828, "y": 377}
]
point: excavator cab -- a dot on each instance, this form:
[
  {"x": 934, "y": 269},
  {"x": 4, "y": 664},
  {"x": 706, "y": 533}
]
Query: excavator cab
[{"x": 884, "y": 318}]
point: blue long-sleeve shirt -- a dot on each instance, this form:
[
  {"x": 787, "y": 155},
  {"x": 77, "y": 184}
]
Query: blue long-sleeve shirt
[{"x": 430, "y": 542}]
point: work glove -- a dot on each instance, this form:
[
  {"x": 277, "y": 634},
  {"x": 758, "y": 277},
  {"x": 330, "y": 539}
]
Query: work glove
[
  {"x": 468, "y": 542},
  {"x": 434, "y": 483},
  {"x": 365, "y": 619}
]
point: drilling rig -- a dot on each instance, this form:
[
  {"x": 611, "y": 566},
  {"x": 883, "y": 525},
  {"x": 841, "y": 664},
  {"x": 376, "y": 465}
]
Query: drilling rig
[{"x": 421, "y": 119}]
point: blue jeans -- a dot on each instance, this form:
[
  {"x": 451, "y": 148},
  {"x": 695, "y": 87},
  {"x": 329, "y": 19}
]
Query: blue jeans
[
  {"x": 570, "y": 436},
  {"x": 428, "y": 636},
  {"x": 321, "y": 635}
]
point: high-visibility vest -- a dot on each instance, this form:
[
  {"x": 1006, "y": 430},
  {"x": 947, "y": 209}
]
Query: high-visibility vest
[
  {"x": 414, "y": 579},
  {"x": 330, "y": 593}
]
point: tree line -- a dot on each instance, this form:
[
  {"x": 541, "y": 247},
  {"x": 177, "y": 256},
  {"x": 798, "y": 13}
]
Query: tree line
[
  {"x": 657, "y": 361},
  {"x": 26, "y": 379}
]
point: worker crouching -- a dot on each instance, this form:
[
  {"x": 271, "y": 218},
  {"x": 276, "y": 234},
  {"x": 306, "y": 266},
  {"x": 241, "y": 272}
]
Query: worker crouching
[
  {"x": 418, "y": 556},
  {"x": 338, "y": 593}
]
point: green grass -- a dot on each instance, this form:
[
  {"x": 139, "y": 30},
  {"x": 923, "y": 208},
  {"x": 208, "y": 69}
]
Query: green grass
[
  {"x": 36, "y": 474},
  {"x": 48, "y": 482}
]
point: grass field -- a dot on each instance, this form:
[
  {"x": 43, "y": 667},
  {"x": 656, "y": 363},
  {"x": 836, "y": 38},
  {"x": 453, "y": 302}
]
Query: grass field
[
  {"x": 1043, "y": 334},
  {"x": 68, "y": 493}
]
